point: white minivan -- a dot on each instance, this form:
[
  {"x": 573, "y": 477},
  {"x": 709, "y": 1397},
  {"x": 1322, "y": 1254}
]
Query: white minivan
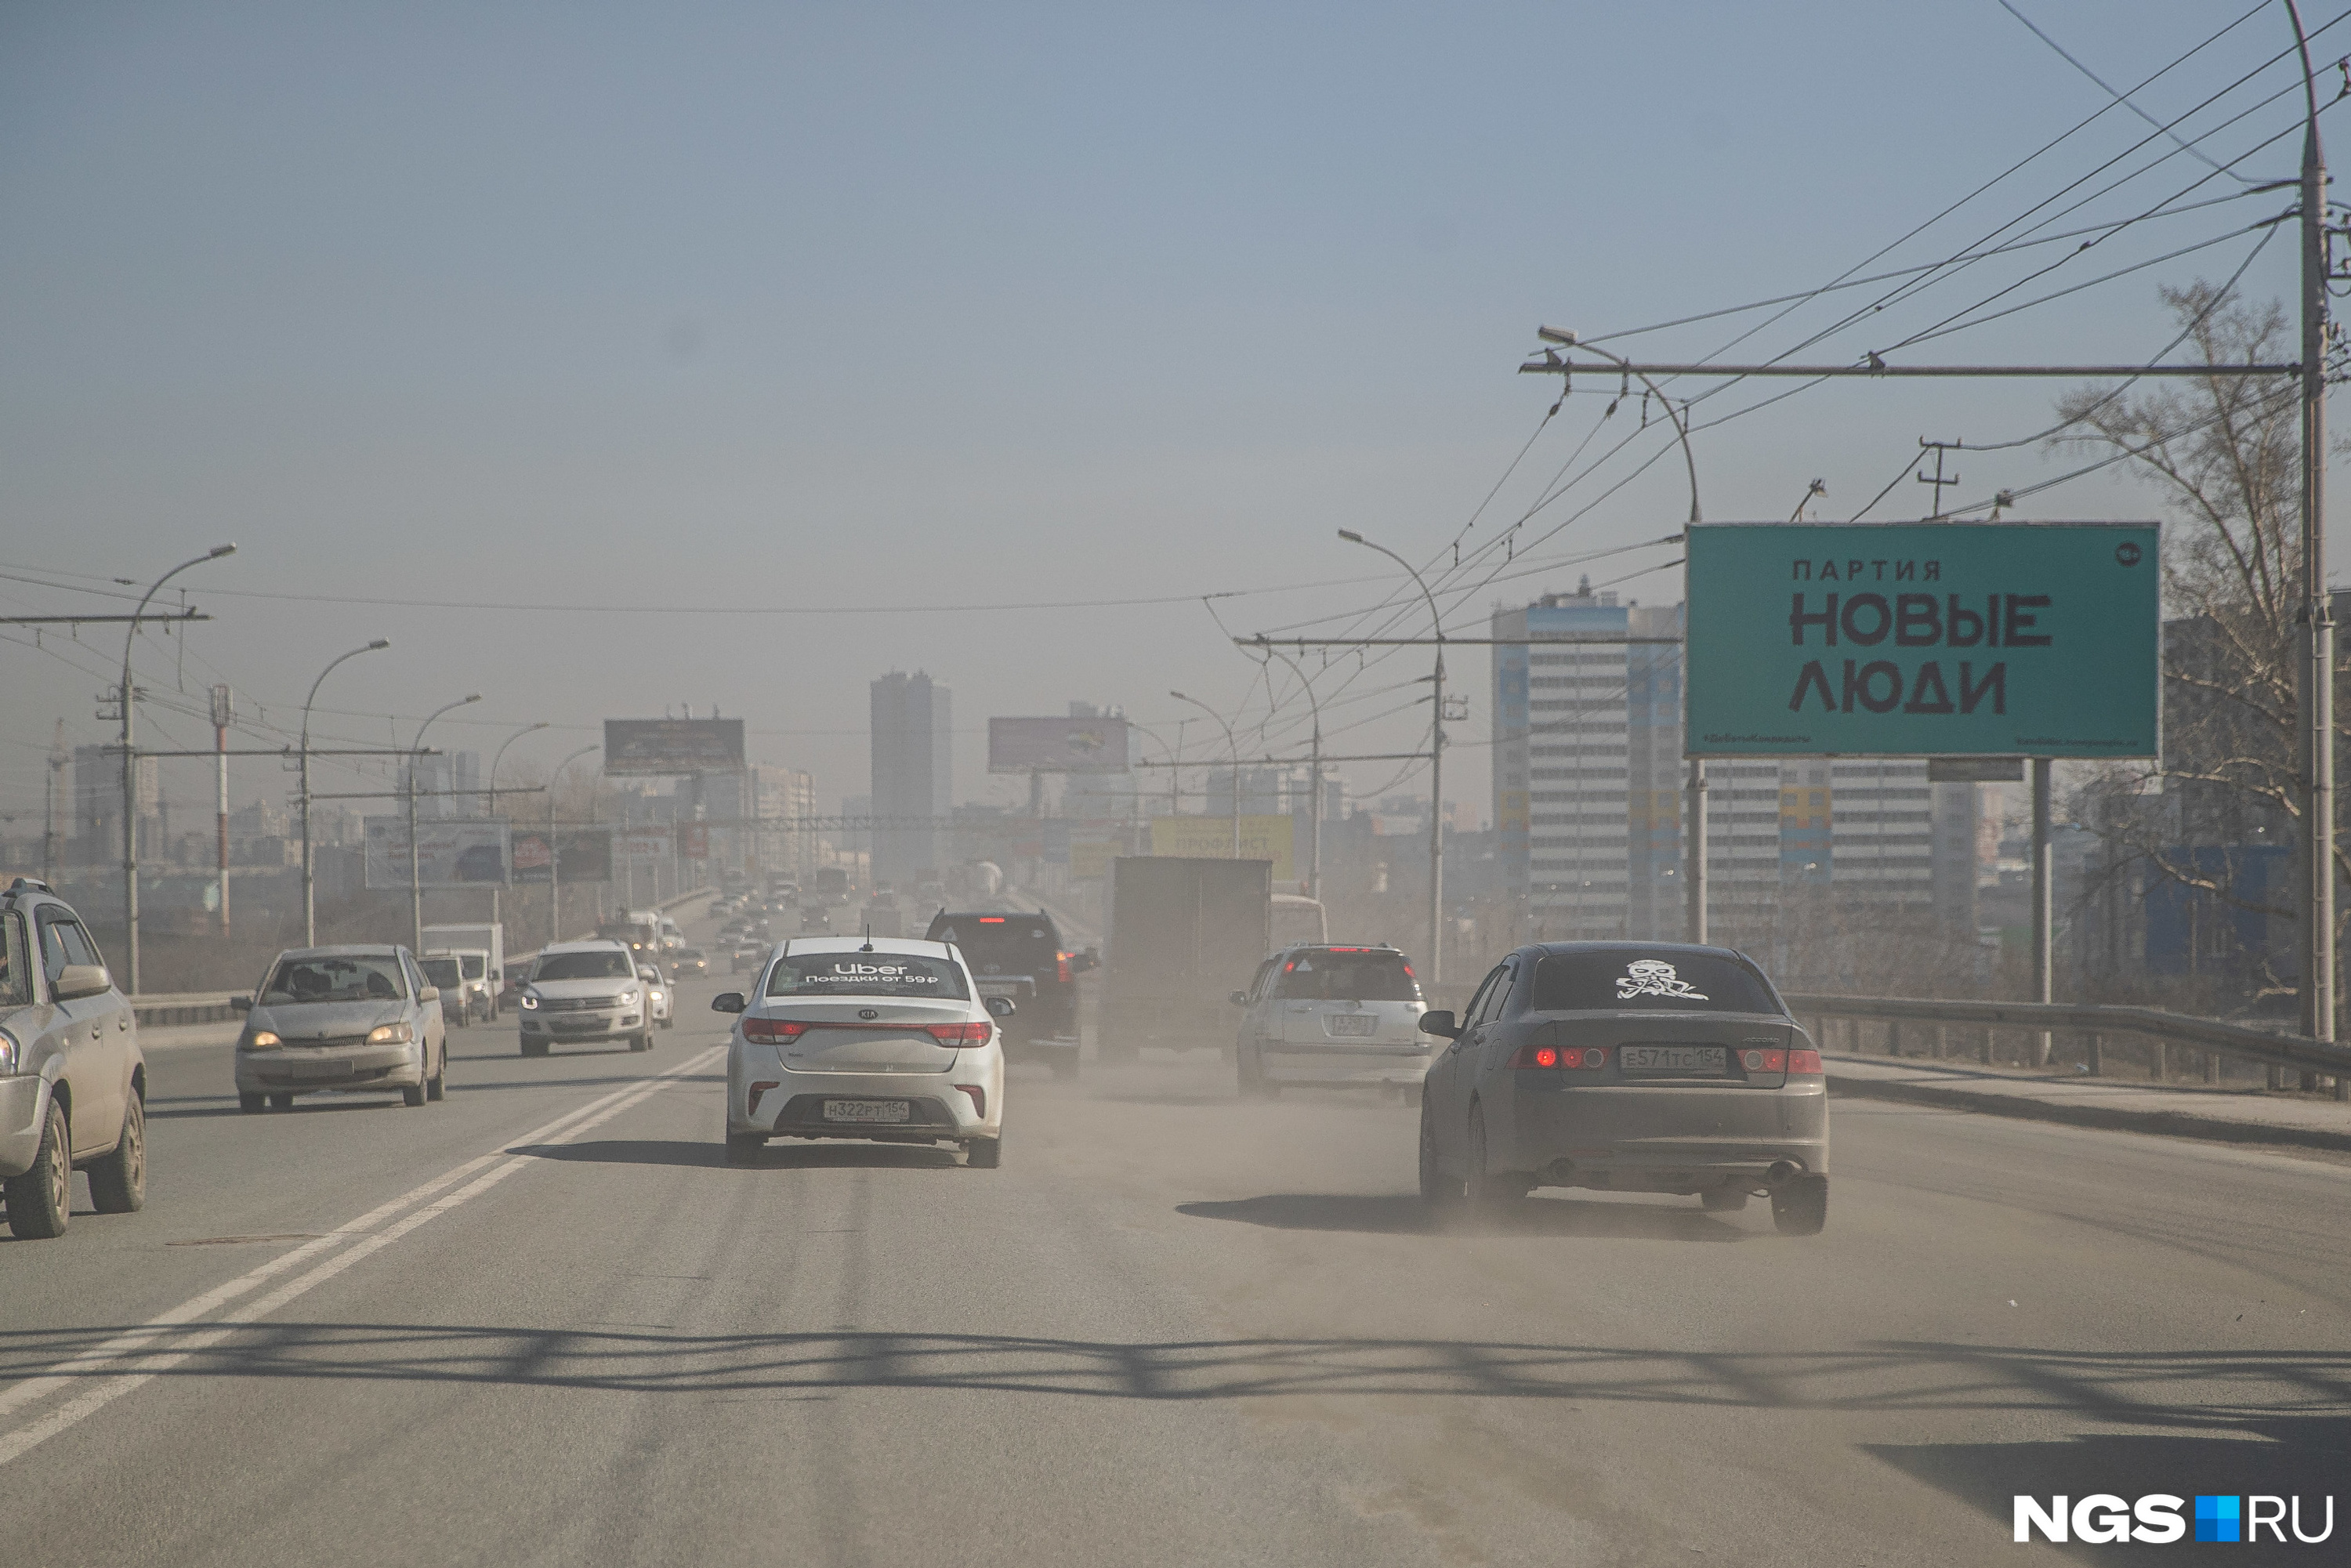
[{"x": 1320, "y": 1014}]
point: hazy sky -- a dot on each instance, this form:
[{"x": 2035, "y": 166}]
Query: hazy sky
[{"x": 768, "y": 316}]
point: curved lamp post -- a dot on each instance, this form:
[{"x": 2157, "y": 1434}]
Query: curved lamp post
[
  {"x": 415, "y": 887},
  {"x": 309, "y": 895},
  {"x": 1233, "y": 746},
  {"x": 1436, "y": 762},
  {"x": 554, "y": 850},
  {"x": 131, "y": 765}
]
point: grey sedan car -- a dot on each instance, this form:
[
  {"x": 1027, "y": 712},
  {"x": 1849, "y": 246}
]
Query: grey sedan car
[
  {"x": 341, "y": 1017},
  {"x": 73, "y": 1085},
  {"x": 1627, "y": 1067}
]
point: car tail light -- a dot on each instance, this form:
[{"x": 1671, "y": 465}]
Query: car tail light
[
  {"x": 960, "y": 1033},
  {"x": 1756, "y": 1060},
  {"x": 751, "y": 1106},
  {"x": 1804, "y": 1062},
  {"x": 978, "y": 1099},
  {"x": 773, "y": 1031},
  {"x": 1062, "y": 968},
  {"x": 1582, "y": 1058}
]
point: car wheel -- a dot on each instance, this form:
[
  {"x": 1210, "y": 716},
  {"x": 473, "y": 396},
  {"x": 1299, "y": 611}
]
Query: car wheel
[
  {"x": 41, "y": 1200},
  {"x": 281, "y": 1101},
  {"x": 642, "y": 1042},
  {"x": 437, "y": 1086},
  {"x": 117, "y": 1184},
  {"x": 248, "y": 1103},
  {"x": 1436, "y": 1187},
  {"x": 533, "y": 1046},
  {"x": 1724, "y": 1200},
  {"x": 742, "y": 1148},
  {"x": 984, "y": 1154},
  {"x": 413, "y": 1095},
  {"x": 1481, "y": 1188},
  {"x": 1800, "y": 1206}
]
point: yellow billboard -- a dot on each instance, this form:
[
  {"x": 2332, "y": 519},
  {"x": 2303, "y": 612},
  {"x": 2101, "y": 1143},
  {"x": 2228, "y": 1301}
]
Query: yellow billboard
[{"x": 1211, "y": 838}]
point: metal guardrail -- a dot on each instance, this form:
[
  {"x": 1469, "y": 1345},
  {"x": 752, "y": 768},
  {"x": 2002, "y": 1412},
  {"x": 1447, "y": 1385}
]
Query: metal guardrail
[{"x": 2095, "y": 1019}]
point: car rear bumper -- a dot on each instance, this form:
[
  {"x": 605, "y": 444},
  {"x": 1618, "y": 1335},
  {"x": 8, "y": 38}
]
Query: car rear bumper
[
  {"x": 292, "y": 1068},
  {"x": 581, "y": 1026},
  {"x": 1667, "y": 1138},
  {"x": 792, "y": 1105},
  {"x": 24, "y": 1101},
  {"x": 1405, "y": 1065}
]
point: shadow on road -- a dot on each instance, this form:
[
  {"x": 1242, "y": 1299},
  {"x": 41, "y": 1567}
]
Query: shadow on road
[
  {"x": 775, "y": 1156},
  {"x": 1407, "y": 1215},
  {"x": 194, "y": 1107}
]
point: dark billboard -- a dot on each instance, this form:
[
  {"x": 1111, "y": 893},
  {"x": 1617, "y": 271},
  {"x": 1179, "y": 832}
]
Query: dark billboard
[
  {"x": 639, "y": 747},
  {"x": 586, "y": 854}
]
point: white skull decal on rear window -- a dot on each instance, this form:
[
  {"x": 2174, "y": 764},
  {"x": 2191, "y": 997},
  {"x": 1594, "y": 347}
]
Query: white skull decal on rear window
[{"x": 1653, "y": 978}]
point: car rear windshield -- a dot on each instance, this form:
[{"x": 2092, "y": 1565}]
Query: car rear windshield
[
  {"x": 1021, "y": 944},
  {"x": 585, "y": 967},
  {"x": 340, "y": 978},
  {"x": 442, "y": 972},
  {"x": 1339, "y": 975},
  {"x": 1632, "y": 979},
  {"x": 868, "y": 974}
]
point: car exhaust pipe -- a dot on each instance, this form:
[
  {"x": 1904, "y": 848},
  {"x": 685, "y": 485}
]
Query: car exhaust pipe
[{"x": 1781, "y": 1173}]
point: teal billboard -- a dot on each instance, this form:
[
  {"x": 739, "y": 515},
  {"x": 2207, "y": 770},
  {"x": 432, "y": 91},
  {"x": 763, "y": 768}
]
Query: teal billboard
[{"x": 1923, "y": 639}]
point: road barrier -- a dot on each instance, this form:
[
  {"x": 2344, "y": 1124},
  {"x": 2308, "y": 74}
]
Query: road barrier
[{"x": 2096, "y": 1021}]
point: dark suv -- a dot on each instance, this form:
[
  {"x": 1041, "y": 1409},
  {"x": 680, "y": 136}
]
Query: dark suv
[
  {"x": 73, "y": 1084},
  {"x": 1021, "y": 957}
]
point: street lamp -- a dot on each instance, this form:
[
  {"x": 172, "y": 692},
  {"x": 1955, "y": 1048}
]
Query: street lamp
[
  {"x": 1234, "y": 747},
  {"x": 415, "y": 887},
  {"x": 131, "y": 765},
  {"x": 554, "y": 850},
  {"x": 309, "y": 897},
  {"x": 1314, "y": 854},
  {"x": 1436, "y": 762},
  {"x": 495, "y": 918}
]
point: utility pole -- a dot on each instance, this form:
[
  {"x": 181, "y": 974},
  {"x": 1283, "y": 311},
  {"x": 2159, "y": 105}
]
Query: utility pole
[
  {"x": 58, "y": 758},
  {"x": 2044, "y": 892},
  {"x": 2317, "y": 616},
  {"x": 131, "y": 766},
  {"x": 224, "y": 709},
  {"x": 1939, "y": 448},
  {"x": 1314, "y": 774},
  {"x": 1234, "y": 748}
]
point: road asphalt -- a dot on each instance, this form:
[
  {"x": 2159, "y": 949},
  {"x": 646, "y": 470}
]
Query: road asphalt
[{"x": 544, "y": 1323}]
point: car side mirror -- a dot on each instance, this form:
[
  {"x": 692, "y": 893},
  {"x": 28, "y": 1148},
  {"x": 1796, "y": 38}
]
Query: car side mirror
[
  {"x": 76, "y": 982},
  {"x": 240, "y": 1004},
  {"x": 727, "y": 1002},
  {"x": 1238, "y": 999},
  {"x": 1001, "y": 1007},
  {"x": 1440, "y": 1022},
  {"x": 429, "y": 994}
]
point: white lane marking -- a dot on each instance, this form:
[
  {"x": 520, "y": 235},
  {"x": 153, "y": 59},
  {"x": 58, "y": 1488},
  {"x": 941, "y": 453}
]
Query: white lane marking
[{"x": 502, "y": 1164}]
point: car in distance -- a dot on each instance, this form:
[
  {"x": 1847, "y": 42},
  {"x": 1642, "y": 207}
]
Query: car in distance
[
  {"x": 749, "y": 953},
  {"x": 584, "y": 990},
  {"x": 446, "y": 972},
  {"x": 688, "y": 961},
  {"x": 73, "y": 1084},
  {"x": 1331, "y": 1015},
  {"x": 888, "y": 1040},
  {"x": 353, "y": 1017},
  {"x": 657, "y": 995},
  {"x": 1021, "y": 957},
  {"x": 1627, "y": 1067}
]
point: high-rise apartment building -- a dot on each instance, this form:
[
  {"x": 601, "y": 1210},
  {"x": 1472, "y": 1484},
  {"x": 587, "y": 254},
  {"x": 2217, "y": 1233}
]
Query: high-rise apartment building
[{"x": 914, "y": 777}]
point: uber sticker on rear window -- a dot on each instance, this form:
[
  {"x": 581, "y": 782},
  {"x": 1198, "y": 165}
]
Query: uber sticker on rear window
[{"x": 1654, "y": 978}]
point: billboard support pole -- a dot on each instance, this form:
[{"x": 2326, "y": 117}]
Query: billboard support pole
[{"x": 2043, "y": 900}]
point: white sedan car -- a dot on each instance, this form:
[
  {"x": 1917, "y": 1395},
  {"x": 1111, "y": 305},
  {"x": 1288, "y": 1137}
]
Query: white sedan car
[
  {"x": 658, "y": 999},
  {"x": 883, "y": 1039}
]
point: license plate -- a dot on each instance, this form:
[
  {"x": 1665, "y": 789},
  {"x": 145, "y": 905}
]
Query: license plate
[
  {"x": 867, "y": 1111},
  {"x": 321, "y": 1069},
  {"x": 990, "y": 988},
  {"x": 1361, "y": 1025},
  {"x": 1672, "y": 1059},
  {"x": 578, "y": 1026}
]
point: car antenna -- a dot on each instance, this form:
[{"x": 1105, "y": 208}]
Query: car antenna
[{"x": 869, "y": 938}]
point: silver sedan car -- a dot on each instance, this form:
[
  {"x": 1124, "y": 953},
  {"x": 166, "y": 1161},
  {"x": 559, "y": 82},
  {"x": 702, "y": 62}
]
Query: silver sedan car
[
  {"x": 1627, "y": 1067},
  {"x": 347, "y": 1017}
]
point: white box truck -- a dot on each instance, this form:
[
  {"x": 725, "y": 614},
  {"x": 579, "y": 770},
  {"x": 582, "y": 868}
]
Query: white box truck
[{"x": 486, "y": 939}]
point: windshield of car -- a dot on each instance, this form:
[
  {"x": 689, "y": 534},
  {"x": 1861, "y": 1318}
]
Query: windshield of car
[
  {"x": 1339, "y": 975},
  {"x": 334, "y": 977},
  {"x": 473, "y": 966},
  {"x": 868, "y": 974},
  {"x": 442, "y": 972},
  {"x": 689, "y": 954},
  {"x": 1635, "y": 978},
  {"x": 597, "y": 966}
]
